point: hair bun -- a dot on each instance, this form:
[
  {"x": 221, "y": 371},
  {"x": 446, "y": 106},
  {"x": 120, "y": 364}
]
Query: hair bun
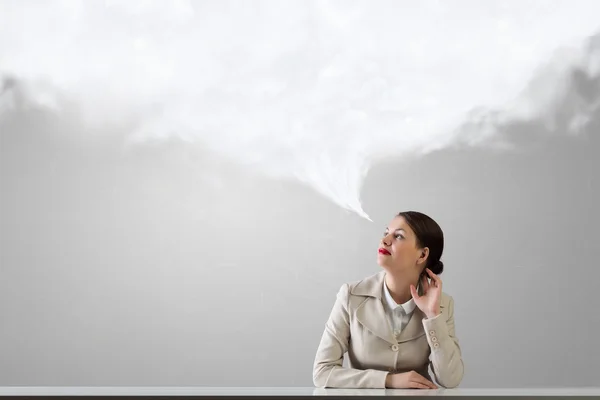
[{"x": 437, "y": 268}]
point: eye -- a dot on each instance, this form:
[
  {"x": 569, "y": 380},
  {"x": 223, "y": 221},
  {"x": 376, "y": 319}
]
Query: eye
[{"x": 399, "y": 236}]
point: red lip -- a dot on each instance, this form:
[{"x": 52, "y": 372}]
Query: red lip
[{"x": 384, "y": 251}]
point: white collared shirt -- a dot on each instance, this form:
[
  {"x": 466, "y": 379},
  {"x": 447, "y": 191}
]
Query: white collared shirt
[{"x": 398, "y": 314}]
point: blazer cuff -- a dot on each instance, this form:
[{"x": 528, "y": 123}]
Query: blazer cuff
[
  {"x": 436, "y": 331},
  {"x": 378, "y": 379}
]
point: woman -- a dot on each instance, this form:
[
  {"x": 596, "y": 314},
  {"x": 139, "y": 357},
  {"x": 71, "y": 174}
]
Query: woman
[{"x": 397, "y": 323}]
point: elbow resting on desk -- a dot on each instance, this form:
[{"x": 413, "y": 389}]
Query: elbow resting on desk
[
  {"x": 452, "y": 375},
  {"x": 320, "y": 378}
]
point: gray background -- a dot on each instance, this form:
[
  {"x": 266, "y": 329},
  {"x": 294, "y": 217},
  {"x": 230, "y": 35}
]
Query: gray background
[{"x": 165, "y": 263}]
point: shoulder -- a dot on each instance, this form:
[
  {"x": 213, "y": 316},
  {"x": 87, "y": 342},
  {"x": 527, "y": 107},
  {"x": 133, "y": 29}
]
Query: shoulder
[
  {"x": 446, "y": 298},
  {"x": 447, "y": 302},
  {"x": 366, "y": 283},
  {"x": 369, "y": 286}
]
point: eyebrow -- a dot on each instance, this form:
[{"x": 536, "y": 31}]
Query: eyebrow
[{"x": 399, "y": 229}]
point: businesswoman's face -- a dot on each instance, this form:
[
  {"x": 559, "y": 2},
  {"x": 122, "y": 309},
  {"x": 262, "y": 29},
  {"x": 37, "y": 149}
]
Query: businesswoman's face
[{"x": 398, "y": 249}]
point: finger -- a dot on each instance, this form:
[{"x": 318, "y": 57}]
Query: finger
[
  {"x": 421, "y": 379},
  {"x": 418, "y": 385},
  {"x": 424, "y": 283},
  {"x": 434, "y": 277},
  {"x": 429, "y": 384},
  {"x": 413, "y": 292},
  {"x": 432, "y": 385}
]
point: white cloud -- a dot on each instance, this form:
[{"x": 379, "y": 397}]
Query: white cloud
[{"x": 308, "y": 90}]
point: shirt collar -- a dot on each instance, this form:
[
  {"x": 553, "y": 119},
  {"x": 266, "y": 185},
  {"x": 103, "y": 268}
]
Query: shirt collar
[{"x": 408, "y": 307}]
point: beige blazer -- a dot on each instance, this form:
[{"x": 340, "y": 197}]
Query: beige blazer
[{"x": 359, "y": 327}]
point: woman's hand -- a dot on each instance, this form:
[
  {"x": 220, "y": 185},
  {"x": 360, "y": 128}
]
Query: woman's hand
[
  {"x": 408, "y": 380},
  {"x": 429, "y": 302}
]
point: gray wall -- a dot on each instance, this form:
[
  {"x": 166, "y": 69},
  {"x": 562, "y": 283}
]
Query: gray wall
[{"x": 166, "y": 263}]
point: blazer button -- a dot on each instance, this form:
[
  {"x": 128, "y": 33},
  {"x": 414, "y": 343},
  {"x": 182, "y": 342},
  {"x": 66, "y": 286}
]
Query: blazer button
[
  {"x": 395, "y": 347},
  {"x": 436, "y": 345},
  {"x": 433, "y": 339},
  {"x": 432, "y": 333}
]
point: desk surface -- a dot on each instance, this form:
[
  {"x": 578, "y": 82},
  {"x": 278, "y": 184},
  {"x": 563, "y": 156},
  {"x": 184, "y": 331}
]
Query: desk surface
[{"x": 280, "y": 391}]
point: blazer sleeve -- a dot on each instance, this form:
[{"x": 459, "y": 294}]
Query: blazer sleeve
[
  {"x": 328, "y": 371},
  {"x": 445, "y": 358}
]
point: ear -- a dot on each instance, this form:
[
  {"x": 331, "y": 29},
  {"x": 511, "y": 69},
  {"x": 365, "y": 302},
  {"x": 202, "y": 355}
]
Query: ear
[{"x": 423, "y": 256}]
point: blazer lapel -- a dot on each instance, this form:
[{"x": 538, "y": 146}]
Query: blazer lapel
[{"x": 370, "y": 313}]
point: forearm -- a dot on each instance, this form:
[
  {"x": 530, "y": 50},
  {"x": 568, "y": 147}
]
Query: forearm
[
  {"x": 336, "y": 376},
  {"x": 446, "y": 359}
]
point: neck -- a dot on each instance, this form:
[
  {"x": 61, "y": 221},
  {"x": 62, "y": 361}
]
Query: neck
[{"x": 399, "y": 285}]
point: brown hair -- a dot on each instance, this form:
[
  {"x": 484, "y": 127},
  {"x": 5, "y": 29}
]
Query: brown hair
[{"x": 429, "y": 234}]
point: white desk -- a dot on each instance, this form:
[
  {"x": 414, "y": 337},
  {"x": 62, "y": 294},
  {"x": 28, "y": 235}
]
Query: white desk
[{"x": 281, "y": 391}]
